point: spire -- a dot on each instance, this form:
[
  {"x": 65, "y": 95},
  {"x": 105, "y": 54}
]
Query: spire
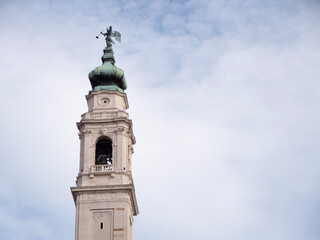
[{"x": 108, "y": 76}]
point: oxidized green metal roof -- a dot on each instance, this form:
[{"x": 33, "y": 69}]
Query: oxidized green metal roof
[
  {"x": 108, "y": 76},
  {"x": 111, "y": 87}
]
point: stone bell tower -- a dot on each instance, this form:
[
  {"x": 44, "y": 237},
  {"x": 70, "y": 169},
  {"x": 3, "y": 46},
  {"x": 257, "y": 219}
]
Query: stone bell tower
[{"x": 104, "y": 197}]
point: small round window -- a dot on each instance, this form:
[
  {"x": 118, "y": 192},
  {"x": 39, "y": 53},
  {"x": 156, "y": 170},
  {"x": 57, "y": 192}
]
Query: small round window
[{"x": 104, "y": 101}]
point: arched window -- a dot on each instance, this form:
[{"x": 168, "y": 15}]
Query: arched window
[{"x": 104, "y": 152}]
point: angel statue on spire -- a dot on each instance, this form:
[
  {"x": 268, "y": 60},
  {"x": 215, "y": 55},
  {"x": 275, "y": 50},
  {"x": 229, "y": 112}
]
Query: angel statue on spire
[{"x": 108, "y": 36}]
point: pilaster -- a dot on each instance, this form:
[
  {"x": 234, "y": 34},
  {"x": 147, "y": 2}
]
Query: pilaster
[{"x": 104, "y": 196}]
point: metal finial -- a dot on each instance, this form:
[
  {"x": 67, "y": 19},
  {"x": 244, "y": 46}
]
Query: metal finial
[{"x": 108, "y": 36}]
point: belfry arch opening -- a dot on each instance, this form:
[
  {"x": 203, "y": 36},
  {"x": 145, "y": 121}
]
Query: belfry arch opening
[{"x": 104, "y": 152}]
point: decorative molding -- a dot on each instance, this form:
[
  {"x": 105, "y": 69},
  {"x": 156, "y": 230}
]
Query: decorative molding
[
  {"x": 118, "y": 229},
  {"x": 83, "y": 132},
  {"x": 98, "y": 196},
  {"x": 103, "y": 132},
  {"x": 86, "y": 131},
  {"x": 103, "y": 115},
  {"x": 131, "y": 148},
  {"x": 120, "y": 130}
]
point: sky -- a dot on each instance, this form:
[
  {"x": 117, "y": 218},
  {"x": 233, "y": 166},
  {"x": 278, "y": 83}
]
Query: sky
[{"x": 224, "y": 98}]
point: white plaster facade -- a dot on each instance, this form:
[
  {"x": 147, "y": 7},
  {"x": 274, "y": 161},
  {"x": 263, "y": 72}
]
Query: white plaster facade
[{"x": 104, "y": 196}]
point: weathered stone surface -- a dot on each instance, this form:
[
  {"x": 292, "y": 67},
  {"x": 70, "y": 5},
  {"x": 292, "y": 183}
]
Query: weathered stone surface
[{"x": 104, "y": 196}]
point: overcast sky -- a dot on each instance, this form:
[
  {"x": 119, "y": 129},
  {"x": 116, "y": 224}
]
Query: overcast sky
[{"x": 224, "y": 98}]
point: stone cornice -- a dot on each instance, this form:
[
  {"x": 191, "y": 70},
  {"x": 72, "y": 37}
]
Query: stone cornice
[
  {"x": 91, "y": 94},
  {"x": 82, "y": 124},
  {"x": 108, "y": 188}
]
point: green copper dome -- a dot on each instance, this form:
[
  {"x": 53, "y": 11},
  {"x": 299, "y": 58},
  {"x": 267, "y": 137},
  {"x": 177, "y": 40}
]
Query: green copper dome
[{"x": 107, "y": 76}]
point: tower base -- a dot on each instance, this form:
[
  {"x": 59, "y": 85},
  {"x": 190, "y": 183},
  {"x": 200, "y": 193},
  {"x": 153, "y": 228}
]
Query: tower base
[{"x": 104, "y": 212}]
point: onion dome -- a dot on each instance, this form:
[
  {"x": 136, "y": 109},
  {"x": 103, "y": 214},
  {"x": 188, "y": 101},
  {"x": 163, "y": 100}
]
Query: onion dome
[{"x": 107, "y": 76}]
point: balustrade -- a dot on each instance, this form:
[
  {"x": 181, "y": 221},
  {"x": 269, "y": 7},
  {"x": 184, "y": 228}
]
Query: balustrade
[{"x": 101, "y": 168}]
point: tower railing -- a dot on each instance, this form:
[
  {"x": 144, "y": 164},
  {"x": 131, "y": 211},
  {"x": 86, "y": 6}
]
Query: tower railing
[{"x": 101, "y": 168}]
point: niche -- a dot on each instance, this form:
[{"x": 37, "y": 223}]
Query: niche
[{"x": 104, "y": 152}]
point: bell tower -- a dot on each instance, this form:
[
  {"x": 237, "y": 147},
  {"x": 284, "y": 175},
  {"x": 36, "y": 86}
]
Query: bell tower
[{"x": 104, "y": 197}]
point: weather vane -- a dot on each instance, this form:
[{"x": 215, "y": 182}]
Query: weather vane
[{"x": 108, "y": 36}]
